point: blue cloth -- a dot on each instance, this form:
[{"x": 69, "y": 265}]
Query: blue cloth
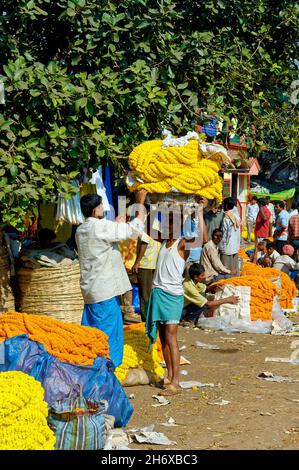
[
  {"x": 97, "y": 382},
  {"x": 282, "y": 220},
  {"x": 107, "y": 184},
  {"x": 107, "y": 317},
  {"x": 190, "y": 229},
  {"x": 210, "y": 128},
  {"x": 162, "y": 307}
]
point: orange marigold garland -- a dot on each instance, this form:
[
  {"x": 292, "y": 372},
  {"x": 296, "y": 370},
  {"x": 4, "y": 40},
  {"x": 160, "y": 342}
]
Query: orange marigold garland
[
  {"x": 68, "y": 342},
  {"x": 288, "y": 288},
  {"x": 262, "y": 295}
]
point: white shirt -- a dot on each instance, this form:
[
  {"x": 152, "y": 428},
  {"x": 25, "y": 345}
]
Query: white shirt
[
  {"x": 230, "y": 242},
  {"x": 103, "y": 274},
  {"x": 252, "y": 211},
  {"x": 285, "y": 263},
  {"x": 272, "y": 210},
  {"x": 274, "y": 255},
  {"x": 169, "y": 271}
]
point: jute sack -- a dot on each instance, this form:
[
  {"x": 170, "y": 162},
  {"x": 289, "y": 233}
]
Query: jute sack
[{"x": 52, "y": 291}]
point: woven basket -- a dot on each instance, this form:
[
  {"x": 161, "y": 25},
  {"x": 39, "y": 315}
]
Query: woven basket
[
  {"x": 52, "y": 291},
  {"x": 7, "y": 301}
]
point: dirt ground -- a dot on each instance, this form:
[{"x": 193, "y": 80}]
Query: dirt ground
[{"x": 260, "y": 415}]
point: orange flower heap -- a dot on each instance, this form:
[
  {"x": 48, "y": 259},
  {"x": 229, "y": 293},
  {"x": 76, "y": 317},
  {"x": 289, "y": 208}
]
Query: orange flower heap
[
  {"x": 68, "y": 342},
  {"x": 288, "y": 289},
  {"x": 262, "y": 295}
]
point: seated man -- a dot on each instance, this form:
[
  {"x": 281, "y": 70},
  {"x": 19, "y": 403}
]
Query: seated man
[
  {"x": 265, "y": 262},
  {"x": 270, "y": 246},
  {"x": 210, "y": 259},
  {"x": 195, "y": 302},
  {"x": 260, "y": 251},
  {"x": 284, "y": 262}
]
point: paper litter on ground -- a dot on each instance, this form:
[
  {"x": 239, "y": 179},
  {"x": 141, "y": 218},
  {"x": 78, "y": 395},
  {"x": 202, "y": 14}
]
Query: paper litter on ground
[
  {"x": 194, "y": 383},
  {"x": 219, "y": 402},
  {"x": 117, "y": 439},
  {"x": 270, "y": 377},
  {"x": 147, "y": 435},
  {"x": 170, "y": 423},
  {"x": 282, "y": 359},
  {"x": 199, "y": 344},
  {"x": 162, "y": 401}
]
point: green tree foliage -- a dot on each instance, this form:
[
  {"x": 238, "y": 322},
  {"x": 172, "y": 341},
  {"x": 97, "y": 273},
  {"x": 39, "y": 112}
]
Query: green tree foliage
[{"x": 89, "y": 79}]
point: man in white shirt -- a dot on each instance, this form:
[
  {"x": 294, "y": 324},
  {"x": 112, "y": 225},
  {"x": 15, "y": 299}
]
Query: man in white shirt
[
  {"x": 284, "y": 262},
  {"x": 271, "y": 208},
  {"x": 230, "y": 243},
  {"x": 103, "y": 275},
  {"x": 252, "y": 212}
]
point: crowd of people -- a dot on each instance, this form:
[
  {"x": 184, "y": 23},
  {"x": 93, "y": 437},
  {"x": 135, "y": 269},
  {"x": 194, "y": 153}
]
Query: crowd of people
[{"x": 175, "y": 273}]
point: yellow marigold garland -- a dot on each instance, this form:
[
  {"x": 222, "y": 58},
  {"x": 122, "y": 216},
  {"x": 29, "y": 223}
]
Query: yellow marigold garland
[
  {"x": 137, "y": 354},
  {"x": 23, "y": 414},
  {"x": 68, "y": 342},
  {"x": 184, "y": 168}
]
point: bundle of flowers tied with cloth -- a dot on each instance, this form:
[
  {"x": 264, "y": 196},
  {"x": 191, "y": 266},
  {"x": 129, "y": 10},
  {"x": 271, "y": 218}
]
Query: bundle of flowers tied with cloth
[
  {"x": 23, "y": 414},
  {"x": 288, "y": 289},
  {"x": 262, "y": 294},
  {"x": 178, "y": 165},
  {"x": 140, "y": 366}
]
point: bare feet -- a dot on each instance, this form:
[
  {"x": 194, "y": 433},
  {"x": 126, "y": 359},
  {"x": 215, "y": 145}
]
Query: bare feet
[{"x": 170, "y": 390}]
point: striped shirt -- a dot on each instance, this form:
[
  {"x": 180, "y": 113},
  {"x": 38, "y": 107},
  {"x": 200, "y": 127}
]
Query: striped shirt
[
  {"x": 149, "y": 260},
  {"x": 294, "y": 227}
]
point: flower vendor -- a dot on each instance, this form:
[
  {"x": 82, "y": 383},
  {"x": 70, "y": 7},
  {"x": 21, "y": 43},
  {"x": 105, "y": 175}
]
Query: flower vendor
[
  {"x": 210, "y": 259},
  {"x": 195, "y": 302},
  {"x": 103, "y": 275}
]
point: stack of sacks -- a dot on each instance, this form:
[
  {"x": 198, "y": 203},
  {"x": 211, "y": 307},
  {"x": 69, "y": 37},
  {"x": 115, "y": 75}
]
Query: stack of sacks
[
  {"x": 288, "y": 289},
  {"x": 262, "y": 295},
  {"x": 23, "y": 414},
  {"x": 187, "y": 167},
  {"x": 66, "y": 341},
  {"x": 137, "y": 353}
]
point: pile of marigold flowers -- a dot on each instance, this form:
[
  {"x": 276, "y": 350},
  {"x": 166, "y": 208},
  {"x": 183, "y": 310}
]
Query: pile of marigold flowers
[
  {"x": 23, "y": 414},
  {"x": 262, "y": 294},
  {"x": 288, "y": 289},
  {"x": 68, "y": 342},
  {"x": 137, "y": 353},
  {"x": 158, "y": 169}
]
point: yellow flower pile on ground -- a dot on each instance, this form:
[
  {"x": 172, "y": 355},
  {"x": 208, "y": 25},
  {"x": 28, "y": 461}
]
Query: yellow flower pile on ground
[
  {"x": 68, "y": 342},
  {"x": 261, "y": 296},
  {"x": 137, "y": 354},
  {"x": 288, "y": 289},
  {"x": 23, "y": 414},
  {"x": 184, "y": 168}
]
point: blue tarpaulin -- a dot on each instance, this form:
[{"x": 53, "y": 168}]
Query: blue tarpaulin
[{"x": 97, "y": 382}]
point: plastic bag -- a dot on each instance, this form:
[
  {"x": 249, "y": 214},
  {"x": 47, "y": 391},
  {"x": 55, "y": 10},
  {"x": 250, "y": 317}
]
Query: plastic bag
[
  {"x": 138, "y": 377},
  {"x": 97, "y": 382},
  {"x": 220, "y": 323},
  {"x": 136, "y": 299}
]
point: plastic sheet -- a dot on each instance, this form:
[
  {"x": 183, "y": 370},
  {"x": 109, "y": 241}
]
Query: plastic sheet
[
  {"x": 97, "y": 382},
  {"x": 218, "y": 323}
]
